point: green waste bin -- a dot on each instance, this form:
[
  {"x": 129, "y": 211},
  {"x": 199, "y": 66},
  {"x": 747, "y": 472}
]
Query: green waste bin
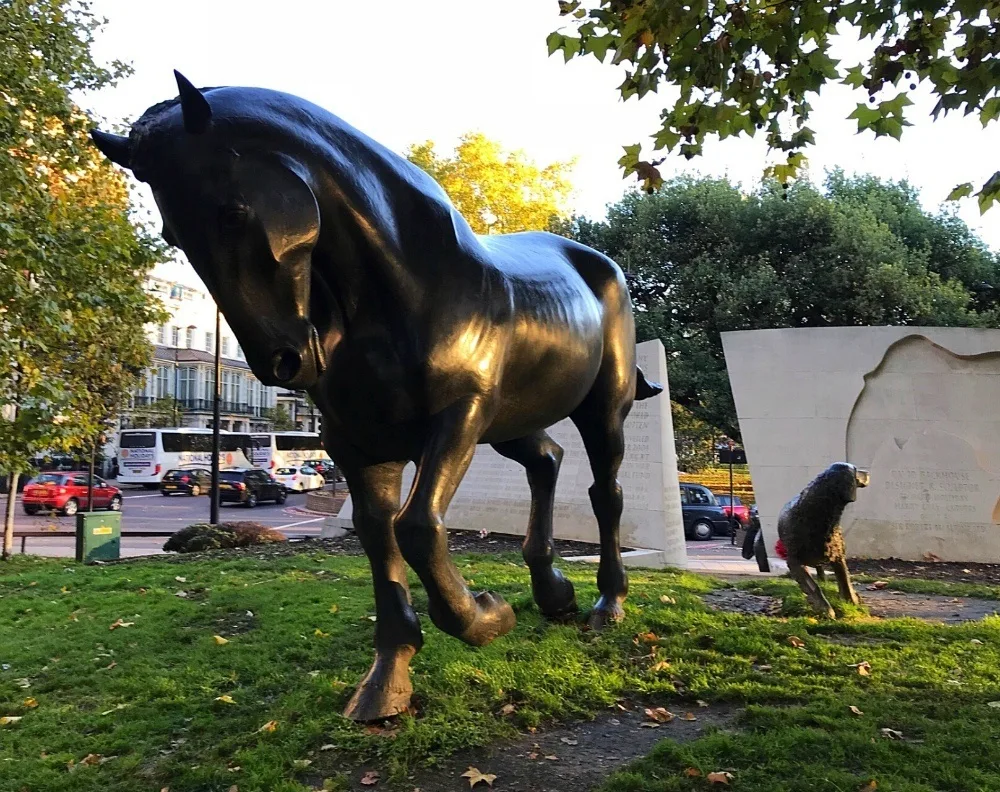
[{"x": 98, "y": 536}]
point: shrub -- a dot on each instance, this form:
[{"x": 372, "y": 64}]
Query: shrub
[{"x": 202, "y": 536}]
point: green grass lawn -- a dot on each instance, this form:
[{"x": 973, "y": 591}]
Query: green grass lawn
[{"x": 177, "y": 708}]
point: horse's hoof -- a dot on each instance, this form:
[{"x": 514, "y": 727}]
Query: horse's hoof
[
  {"x": 554, "y": 595},
  {"x": 605, "y": 614},
  {"x": 384, "y": 693},
  {"x": 494, "y": 617}
]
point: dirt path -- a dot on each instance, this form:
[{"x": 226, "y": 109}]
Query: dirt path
[{"x": 570, "y": 759}]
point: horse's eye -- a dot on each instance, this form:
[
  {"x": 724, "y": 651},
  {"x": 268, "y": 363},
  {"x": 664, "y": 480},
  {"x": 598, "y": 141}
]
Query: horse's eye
[{"x": 233, "y": 217}]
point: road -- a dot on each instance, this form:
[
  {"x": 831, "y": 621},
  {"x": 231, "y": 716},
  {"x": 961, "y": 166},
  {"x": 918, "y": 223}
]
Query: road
[{"x": 150, "y": 511}]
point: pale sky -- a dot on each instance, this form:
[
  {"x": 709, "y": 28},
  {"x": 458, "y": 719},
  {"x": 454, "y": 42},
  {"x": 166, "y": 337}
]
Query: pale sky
[{"x": 404, "y": 71}]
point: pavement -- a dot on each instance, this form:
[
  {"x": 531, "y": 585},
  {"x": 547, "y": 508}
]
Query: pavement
[{"x": 149, "y": 510}]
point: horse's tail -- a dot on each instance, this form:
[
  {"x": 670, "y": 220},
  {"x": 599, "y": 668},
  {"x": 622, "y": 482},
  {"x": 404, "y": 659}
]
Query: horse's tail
[{"x": 644, "y": 389}]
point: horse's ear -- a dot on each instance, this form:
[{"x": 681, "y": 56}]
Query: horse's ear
[
  {"x": 114, "y": 147},
  {"x": 194, "y": 105}
]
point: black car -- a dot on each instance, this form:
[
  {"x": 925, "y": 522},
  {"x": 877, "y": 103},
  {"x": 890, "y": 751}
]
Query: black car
[
  {"x": 186, "y": 481},
  {"x": 249, "y": 487},
  {"x": 703, "y": 516}
]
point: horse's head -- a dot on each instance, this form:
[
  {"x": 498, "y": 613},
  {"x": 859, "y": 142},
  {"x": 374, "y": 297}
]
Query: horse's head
[{"x": 245, "y": 217}]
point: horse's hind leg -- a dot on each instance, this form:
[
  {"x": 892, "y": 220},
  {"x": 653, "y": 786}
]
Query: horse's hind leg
[
  {"x": 386, "y": 689},
  {"x": 541, "y": 455},
  {"x": 600, "y": 420}
]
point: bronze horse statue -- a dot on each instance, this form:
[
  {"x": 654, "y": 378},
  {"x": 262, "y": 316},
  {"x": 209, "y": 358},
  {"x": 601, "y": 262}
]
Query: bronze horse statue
[{"x": 344, "y": 270}]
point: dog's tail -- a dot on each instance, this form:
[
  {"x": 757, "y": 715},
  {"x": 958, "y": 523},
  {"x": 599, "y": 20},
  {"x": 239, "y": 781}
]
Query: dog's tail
[{"x": 644, "y": 389}]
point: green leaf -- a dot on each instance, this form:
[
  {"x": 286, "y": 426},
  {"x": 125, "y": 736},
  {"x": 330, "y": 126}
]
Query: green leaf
[
  {"x": 630, "y": 159},
  {"x": 598, "y": 46},
  {"x": 990, "y": 111},
  {"x": 554, "y": 41},
  {"x": 961, "y": 191},
  {"x": 866, "y": 116},
  {"x": 855, "y": 77},
  {"x": 990, "y": 193},
  {"x": 570, "y": 47}
]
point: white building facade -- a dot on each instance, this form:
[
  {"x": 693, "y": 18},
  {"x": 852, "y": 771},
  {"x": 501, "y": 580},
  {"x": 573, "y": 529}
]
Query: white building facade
[{"x": 184, "y": 370}]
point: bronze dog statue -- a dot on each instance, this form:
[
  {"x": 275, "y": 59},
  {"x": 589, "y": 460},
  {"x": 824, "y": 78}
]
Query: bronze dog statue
[
  {"x": 809, "y": 533},
  {"x": 344, "y": 270}
]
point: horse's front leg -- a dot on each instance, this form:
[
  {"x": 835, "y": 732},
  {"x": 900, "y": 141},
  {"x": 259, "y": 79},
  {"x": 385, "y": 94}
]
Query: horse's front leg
[
  {"x": 423, "y": 539},
  {"x": 386, "y": 689}
]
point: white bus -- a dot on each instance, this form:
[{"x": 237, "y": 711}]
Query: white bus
[
  {"x": 144, "y": 455},
  {"x": 287, "y": 449}
]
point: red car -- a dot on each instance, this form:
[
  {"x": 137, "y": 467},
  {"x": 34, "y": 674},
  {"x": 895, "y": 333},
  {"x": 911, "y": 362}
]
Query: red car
[
  {"x": 741, "y": 509},
  {"x": 67, "y": 493}
]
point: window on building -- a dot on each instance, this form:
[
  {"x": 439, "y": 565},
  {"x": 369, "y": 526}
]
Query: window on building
[
  {"x": 162, "y": 389},
  {"x": 190, "y": 338},
  {"x": 239, "y": 352},
  {"x": 225, "y": 345},
  {"x": 210, "y": 385},
  {"x": 176, "y": 291},
  {"x": 186, "y": 383},
  {"x": 161, "y": 334},
  {"x": 210, "y": 342},
  {"x": 175, "y": 336}
]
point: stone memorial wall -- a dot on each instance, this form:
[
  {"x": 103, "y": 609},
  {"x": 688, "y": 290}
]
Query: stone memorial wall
[
  {"x": 494, "y": 494},
  {"x": 917, "y": 407}
]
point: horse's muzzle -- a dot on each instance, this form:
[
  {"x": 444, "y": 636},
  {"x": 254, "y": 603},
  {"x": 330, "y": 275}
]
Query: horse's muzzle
[{"x": 293, "y": 369}]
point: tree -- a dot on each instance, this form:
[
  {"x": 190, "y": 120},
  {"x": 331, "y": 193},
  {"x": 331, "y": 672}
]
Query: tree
[
  {"x": 694, "y": 440},
  {"x": 162, "y": 412},
  {"x": 749, "y": 65},
  {"x": 72, "y": 264},
  {"x": 280, "y": 420},
  {"x": 702, "y": 258},
  {"x": 495, "y": 191}
]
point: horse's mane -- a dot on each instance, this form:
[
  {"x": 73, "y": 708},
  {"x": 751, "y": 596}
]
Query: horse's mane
[{"x": 370, "y": 174}]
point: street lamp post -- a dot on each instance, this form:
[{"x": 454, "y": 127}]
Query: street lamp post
[{"x": 216, "y": 420}]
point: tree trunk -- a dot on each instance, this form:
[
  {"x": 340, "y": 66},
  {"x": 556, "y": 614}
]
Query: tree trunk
[{"x": 8, "y": 525}]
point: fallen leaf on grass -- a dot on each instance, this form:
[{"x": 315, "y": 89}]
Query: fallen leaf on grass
[
  {"x": 878, "y": 585},
  {"x": 233, "y": 788},
  {"x": 891, "y": 734},
  {"x": 327, "y": 747},
  {"x": 320, "y": 634},
  {"x": 720, "y": 777},
  {"x": 689, "y": 716},
  {"x": 855, "y": 710},
  {"x": 976, "y": 642},
  {"x": 219, "y": 640},
  {"x": 864, "y": 668},
  {"x": 552, "y": 758},
  {"x": 371, "y": 778},
  {"x": 334, "y": 608},
  {"x": 701, "y": 703},
  {"x": 648, "y": 637},
  {"x": 114, "y": 709},
  {"x": 30, "y": 703},
  {"x": 8, "y": 720},
  {"x": 649, "y": 725},
  {"x": 180, "y": 579},
  {"x": 91, "y": 759},
  {"x": 663, "y": 665},
  {"x": 270, "y": 726},
  {"x": 181, "y": 594},
  {"x": 476, "y": 777},
  {"x": 227, "y": 699},
  {"x": 301, "y": 764},
  {"x": 110, "y": 666},
  {"x": 994, "y": 704},
  {"x": 667, "y": 600},
  {"x": 797, "y": 642},
  {"x": 932, "y": 558},
  {"x": 120, "y": 623},
  {"x": 871, "y": 786},
  {"x": 660, "y": 715},
  {"x": 532, "y": 755},
  {"x": 507, "y": 709},
  {"x": 569, "y": 741},
  {"x": 692, "y": 772}
]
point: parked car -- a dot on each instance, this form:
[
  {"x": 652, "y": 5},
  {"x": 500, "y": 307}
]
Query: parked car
[
  {"x": 67, "y": 493},
  {"x": 300, "y": 479},
  {"x": 324, "y": 467},
  {"x": 739, "y": 510},
  {"x": 186, "y": 481},
  {"x": 250, "y": 487},
  {"x": 703, "y": 516}
]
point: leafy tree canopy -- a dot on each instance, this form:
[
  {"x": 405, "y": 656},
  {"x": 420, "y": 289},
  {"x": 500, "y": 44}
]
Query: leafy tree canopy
[
  {"x": 703, "y": 258},
  {"x": 743, "y": 66},
  {"x": 72, "y": 264},
  {"x": 497, "y": 191}
]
